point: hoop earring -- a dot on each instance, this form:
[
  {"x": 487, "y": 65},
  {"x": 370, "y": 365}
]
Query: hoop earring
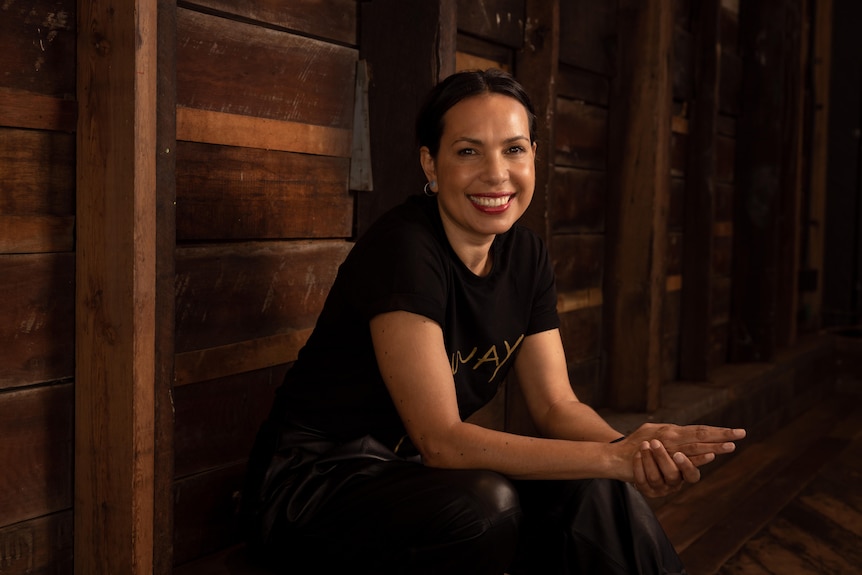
[{"x": 429, "y": 189}]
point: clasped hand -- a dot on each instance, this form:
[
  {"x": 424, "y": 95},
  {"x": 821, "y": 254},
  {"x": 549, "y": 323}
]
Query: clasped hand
[{"x": 665, "y": 456}]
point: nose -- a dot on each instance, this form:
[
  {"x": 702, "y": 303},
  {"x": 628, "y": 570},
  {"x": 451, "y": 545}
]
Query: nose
[{"x": 495, "y": 169}]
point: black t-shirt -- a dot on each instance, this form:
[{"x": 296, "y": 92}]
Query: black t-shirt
[{"x": 404, "y": 262}]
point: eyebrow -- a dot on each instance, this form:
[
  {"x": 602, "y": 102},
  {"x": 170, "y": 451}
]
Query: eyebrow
[{"x": 469, "y": 140}]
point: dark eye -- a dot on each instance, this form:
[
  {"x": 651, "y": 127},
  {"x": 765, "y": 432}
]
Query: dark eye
[
  {"x": 516, "y": 150},
  {"x": 466, "y": 152}
]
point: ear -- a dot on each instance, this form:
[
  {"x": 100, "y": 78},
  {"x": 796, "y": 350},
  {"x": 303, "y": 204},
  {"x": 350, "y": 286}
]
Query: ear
[{"x": 428, "y": 164}]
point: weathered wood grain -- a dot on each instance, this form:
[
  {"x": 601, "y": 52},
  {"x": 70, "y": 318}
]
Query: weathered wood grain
[
  {"x": 20, "y": 109},
  {"x": 476, "y": 54},
  {"x": 36, "y": 452},
  {"x": 638, "y": 198},
  {"x": 500, "y": 21},
  {"x": 230, "y": 193},
  {"x": 115, "y": 288},
  {"x": 229, "y": 293},
  {"x": 36, "y": 234},
  {"x": 330, "y": 19},
  {"x": 290, "y": 78},
  {"x": 577, "y": 84},
  {"x": 240, "y": 357},
  {"x": 41, "y": 546},
  {"x": 37, "y": 303},
  {"x": 205, "y": 511},
  {"x": 581, "y": 333},
  {"x": 581, "y": 135},
  {"x": 38, "y": 172},
  {"x": 263, "y": 133},
  {"x": 588, "y": 35},
  {"x": 216, "y": 421},
  {"x": 38, "y": 52},
  {"x": 578, "y": 260},
  {"x": 577, "y": 201}
]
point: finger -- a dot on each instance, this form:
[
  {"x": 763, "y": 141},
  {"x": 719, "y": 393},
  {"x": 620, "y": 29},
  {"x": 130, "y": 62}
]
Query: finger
[
  {"x": 654, "y": 478},
  {"x": 692, "y": 449},
  {"x": 689, "y": 471},
  {"x": 699, "y": 460},
  {"x": 666, "y": 465},
  {"x": 639, "y": 474}
]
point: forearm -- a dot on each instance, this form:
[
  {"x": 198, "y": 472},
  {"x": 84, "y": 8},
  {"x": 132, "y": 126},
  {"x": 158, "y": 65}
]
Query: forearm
[
  {"x": 575, "y": 421},
  {"x": 522, "y": 457}
]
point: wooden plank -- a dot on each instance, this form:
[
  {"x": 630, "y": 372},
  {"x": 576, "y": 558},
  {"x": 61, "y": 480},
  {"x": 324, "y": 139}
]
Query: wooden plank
[
  {"x": 230, "y": 293},
  {"x": 578, "y": 299},
  {"x": 36, "y": 452},
  {"x": 426, "y": 36},
  {"x": 581, "y": 332},
  {"x": 314, "y": 79},
  {"x": 166, "y": 230},
  {"x": 211, "y": 127},
  {"x": 577, "y": 84},
  {"x": 697, "y": 258},
  {"x": 500, "y": 21},
  {"x": 37, "y": 338},
  {"x": 821, "y": 68},
  {"x": 536, "y": 67},
  {"x": 216, "y": 421},
  {"x": 687, "y": 522},
  {"x": 577, "y": 260},
  {"x": 36, "y": 234},
  {"x": 21, "y": 109},
  {"x": 330, "y": 19},
  {"x": 115, "y": 287},
  {"x": 38, "y": 546},
  {"x": 241, "y": 357},
  {"x": 39, "y": 47},
  {"x": 476, "y": 54},
  {"x": 229, "y": 193},
  {"x": 38, "y": 173},
  {"x": 577, "y": 202},
  {"x": 205, "y": 508},
  {"x": 638, "y": 198},
  {"x": 580, "y": 136},
  {"x": 588, "y": 31}
]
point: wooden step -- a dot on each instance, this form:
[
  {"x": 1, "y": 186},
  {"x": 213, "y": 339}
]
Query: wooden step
[{"x": 711, "y": 521}]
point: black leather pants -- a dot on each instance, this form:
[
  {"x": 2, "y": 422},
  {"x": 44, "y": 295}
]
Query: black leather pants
[{"x": 360, "y": 509}]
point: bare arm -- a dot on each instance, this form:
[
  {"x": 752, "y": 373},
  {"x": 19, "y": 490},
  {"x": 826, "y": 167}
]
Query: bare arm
[{"x": 416, "y": 370}]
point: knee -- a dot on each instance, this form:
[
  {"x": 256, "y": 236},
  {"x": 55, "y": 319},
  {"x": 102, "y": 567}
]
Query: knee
[{"x": 492, "y": 499}]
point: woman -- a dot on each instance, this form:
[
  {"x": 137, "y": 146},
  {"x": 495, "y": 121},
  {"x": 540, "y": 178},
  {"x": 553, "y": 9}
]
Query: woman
[{"x": 366, "y": 463}]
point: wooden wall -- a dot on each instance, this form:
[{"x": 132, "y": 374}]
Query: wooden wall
[
  {"x": 259, "y": 142},
  {"x": 265, "y": 104},
  {"x": 37, "y": 284}
]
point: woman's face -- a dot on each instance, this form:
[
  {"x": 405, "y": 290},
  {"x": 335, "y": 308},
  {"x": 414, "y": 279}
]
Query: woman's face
[{"x": 484, "y": 169}]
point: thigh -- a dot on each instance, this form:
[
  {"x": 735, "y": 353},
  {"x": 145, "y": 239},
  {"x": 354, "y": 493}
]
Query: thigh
[{"x": 399, "y": 516}]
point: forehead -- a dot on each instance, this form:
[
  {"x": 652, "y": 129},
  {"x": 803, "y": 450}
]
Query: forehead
[{"x": 489, "y": 111}]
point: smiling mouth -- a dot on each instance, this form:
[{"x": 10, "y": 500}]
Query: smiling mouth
[{"x": 491, "y": 202}]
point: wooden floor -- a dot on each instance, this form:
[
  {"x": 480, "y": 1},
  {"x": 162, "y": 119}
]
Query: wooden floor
[{"x": 788, "y": 504}]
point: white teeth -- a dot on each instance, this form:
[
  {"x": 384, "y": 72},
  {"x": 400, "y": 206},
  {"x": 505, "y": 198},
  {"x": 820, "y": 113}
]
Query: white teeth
[{"x": 486, "y": 202}]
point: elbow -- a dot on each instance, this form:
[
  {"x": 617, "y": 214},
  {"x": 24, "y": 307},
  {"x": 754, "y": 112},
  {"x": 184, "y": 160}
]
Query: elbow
[{"x": 440, "y": 453}]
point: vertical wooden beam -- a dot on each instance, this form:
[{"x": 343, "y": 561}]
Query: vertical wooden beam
[
  {"x": 765, "y": 170},
  {"x": 115, "y": 287},
  {"x": 409, "y": 46},
  {"x": 165, "y": 206},
  {"x": 790, "y": 225},
  {"x": 821, "y": 68},
  {"x": 536, "y": 67},
  {"x": 699, "y": 207},
  {"x": 638, "y": 196}
]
